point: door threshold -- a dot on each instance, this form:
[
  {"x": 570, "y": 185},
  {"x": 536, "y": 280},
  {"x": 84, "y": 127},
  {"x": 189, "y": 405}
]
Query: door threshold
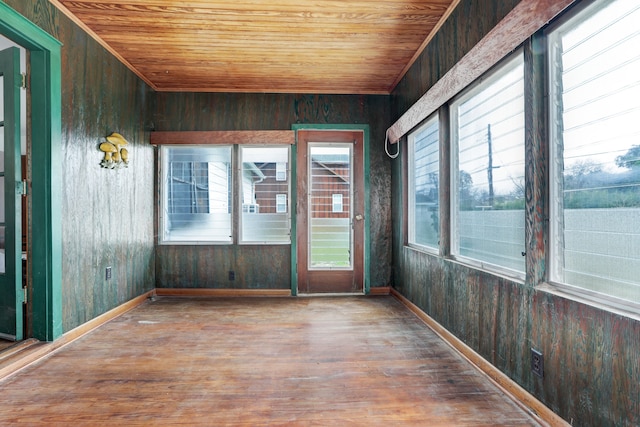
[
  {"x": 331, "y": 294},
  {"x": 16, "y": 347}
]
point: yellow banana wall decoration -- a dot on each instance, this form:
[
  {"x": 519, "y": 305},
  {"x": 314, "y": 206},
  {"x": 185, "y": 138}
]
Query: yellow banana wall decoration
[{"x": 115, "y": 155}]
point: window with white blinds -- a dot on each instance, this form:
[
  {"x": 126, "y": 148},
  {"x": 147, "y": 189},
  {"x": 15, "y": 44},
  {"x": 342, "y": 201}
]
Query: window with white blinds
[
  {"x": 595, "y": 149},
  {"x": 264, "y": 190},
  {"x": 196, "y": 194},
  {"x": 487, "y": 127},
  {"x": 423, "y": 171}
]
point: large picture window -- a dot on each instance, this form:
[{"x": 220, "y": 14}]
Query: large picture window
[
  {"x": 424, "y": 165},
  {"x": 264, "y": 190},
  {"x": 595, "y": 149},
  {"x": 196, "y": 194},
  {"x": 488, "y": 171}
]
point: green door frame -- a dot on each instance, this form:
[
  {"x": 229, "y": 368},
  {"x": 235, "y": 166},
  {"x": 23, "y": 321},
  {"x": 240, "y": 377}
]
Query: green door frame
[
  {"x": 45, "y": 258},
  {"x": 11, "y": 277},
  {"x": 294, "y": 201}
]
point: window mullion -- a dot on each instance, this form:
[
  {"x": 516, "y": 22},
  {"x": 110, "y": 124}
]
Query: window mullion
[
  {"x": 556, "y": 180},
  {"x": 536, "y": 160}
]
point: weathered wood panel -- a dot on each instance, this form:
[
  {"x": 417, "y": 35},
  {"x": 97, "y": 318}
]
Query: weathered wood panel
[
  {"x": 224, "y": 137},
  {"x": 465, "y": 27},
  {"x": 39, "y": 12},
  {"x": 536, "y": 161},
  {"x": 591, "y": 355},
  {"x": 591, "y": 361},
  {"x": 107, "y": 214},
  {"x": 208, "y": 266},
  {"x": 510, "y": 33},
  {"x": 231, "y": 112},
  {"x": 592, "y": 369}
]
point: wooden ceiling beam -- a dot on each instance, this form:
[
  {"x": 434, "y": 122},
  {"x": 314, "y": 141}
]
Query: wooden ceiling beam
[
  {"x": 519, "y": 24},
  {"x": 260, "y": 137}
]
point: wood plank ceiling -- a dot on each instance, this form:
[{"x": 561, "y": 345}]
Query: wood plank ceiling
[{"x": 280, "y": 46}]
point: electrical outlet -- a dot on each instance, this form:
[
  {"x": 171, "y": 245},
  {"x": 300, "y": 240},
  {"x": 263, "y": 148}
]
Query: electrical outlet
[
  {"x": 537, "y": 363},
  {"x": 232, "y": 275},
  {"x": 107, "y": 273}
]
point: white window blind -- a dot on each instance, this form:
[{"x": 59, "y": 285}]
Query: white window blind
[
  {"x": 488, "y": 170},
  {"x": 424, "y": 165},
  {"x": 196, "y": 194},
  {"x": 264, "y": 183},
  {"x": 595, "y": 133}
]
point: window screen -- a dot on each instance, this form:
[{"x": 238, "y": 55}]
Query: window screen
[
  {"x": 424, "y": 165},
  {"x": 196, "y": 194},
  {"x": 264, "y": 190},
  {"x": 595, "y": 148},
  {"x": 488, "y": 170}
]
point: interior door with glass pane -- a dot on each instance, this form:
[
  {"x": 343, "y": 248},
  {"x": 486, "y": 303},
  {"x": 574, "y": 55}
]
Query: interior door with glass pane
[
  {"x": 330, "y": 211},
  {"x": 11, "y": 296}
]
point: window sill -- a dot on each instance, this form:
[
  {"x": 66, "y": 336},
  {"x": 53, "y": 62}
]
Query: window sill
[
  {"x": 502, "y": 272},
  {"x": 193, "y": 243},
  {"x": 424, "y": 249},
  {"x": 264, "y": 243},
  {"x": 579, "y": 296},
  {"x": 491, "y": 269}
]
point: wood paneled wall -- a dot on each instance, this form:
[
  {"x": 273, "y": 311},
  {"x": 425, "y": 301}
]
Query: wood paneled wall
[
  {"x": 269, "y": 266},
  {"x": 466, "y": 26},
  {"x": 592, "y": 368},
  {"x": 107, "y": 214},
  {"x": 591, "y": 355}
]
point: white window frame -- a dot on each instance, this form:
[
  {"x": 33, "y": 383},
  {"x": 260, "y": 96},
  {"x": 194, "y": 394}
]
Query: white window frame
[
  {"x": 491, "y": 77},
  {"x": 337, "y": 205},
  {"x": 411, "y": 141},
  {"x": 555, "y": 272},
  {"x": 259, "y": 212},
  {"x": 281, "y": 206},
  {"x": 281, "y": 171},
  {"x": 163, "y": 238}
]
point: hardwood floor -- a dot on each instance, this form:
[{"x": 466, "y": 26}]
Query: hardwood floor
[
  {"x": 4, "y": 344},
  {"x": 328, "y": 361}
]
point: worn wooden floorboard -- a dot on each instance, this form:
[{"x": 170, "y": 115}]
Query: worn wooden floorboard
[
  {"x": 4, "y": 344},
  {"x": 346, "y": 361}
]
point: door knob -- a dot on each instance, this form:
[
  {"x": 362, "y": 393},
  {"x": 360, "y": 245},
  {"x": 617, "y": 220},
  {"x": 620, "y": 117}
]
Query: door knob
[{"x": 359, "y": 217}]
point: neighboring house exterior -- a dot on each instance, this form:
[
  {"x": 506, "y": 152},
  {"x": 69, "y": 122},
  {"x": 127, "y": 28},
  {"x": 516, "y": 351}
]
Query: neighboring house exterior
[{"x": 331, "y": 188}]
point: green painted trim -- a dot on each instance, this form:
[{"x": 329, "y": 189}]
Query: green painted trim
[
  {"x": 294, "y": 225},
  {"x": 24, "y": 32},
  {"x": 367, "y": 210},
  {"x": 367, "y": 202},
  {"x": 11, "y": 291},
  {"x": 46, "y": 191}
]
